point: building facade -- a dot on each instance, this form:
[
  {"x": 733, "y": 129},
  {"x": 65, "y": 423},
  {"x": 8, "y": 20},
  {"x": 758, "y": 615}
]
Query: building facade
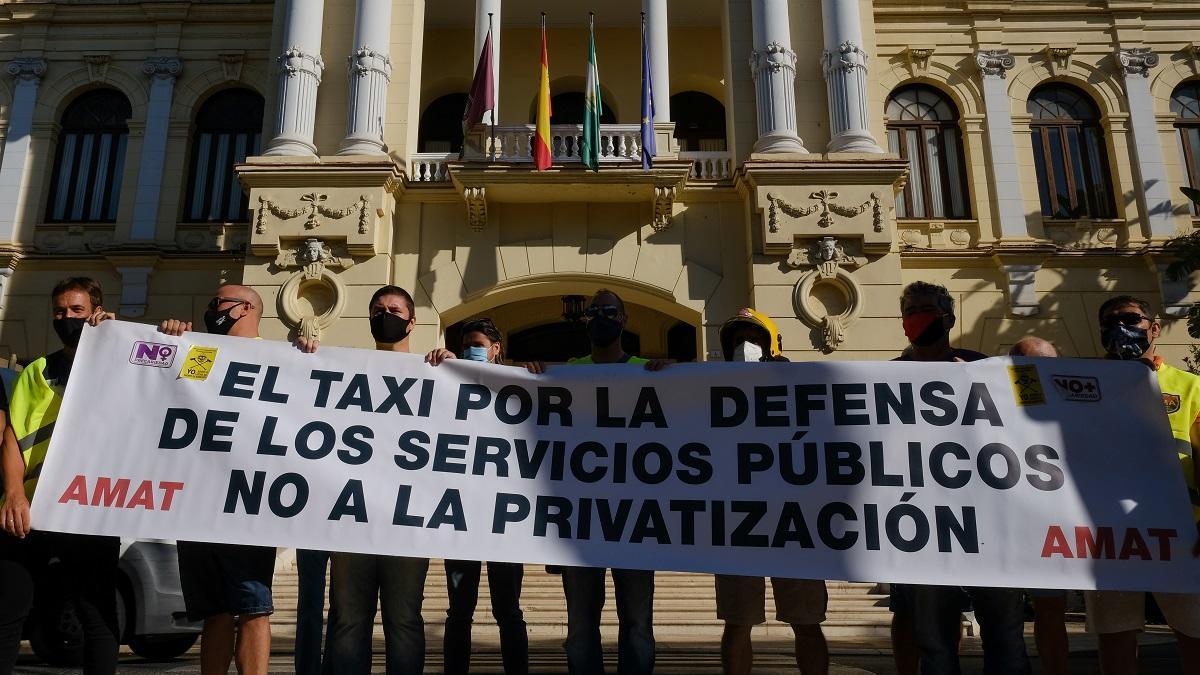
[{"x": 814, "y": 156}]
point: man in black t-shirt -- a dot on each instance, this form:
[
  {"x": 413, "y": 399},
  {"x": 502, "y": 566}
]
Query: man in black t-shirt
[{"x": 929, "y": 617}]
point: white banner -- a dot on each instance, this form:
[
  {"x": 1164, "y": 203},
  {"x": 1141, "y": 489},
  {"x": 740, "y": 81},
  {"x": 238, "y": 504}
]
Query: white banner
[{"x": 1055, "y": 473}]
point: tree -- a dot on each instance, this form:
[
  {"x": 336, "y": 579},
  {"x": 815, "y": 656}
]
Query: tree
[{"x": 1186, "y": 250}]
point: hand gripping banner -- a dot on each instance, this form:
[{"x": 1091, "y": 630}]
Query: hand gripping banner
[{"x": 1057, "y": 473}]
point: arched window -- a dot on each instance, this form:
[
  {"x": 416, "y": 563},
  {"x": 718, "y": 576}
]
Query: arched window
[
  {"x": 922, "y": 127},
  {"x": 1185, "y": 104},
  {"x": 440, "y": 129},
  {"x": 90, "y": 158},
  {"x": 1069, "y": 154},
  {"x": 228, "y": 129},
  {"x": 568, "y": 108},
  {"x": 699, "y": 121}
]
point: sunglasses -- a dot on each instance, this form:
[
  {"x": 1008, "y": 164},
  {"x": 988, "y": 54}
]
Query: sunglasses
[
  {"x": 218, "y": 301},
  {"x": 1126, "y": 319},
  {"x": 609, "y": 311}
]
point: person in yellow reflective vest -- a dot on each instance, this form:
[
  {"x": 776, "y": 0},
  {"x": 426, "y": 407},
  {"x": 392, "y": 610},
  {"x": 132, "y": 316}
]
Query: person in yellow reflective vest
[
  {"x": 228, "y": 586},
  {"x": 85, "y": 572},
  {"x": 1128, "y": 331}
]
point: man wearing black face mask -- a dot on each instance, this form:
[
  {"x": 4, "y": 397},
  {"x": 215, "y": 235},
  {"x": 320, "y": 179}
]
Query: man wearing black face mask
[
  {"x": 228, "y": 586},
  {"x": 584, "y": 586},
  {"x": 87, "y": 564},
  {"x": 1128, "y": 331},
  {"x": 930, "y": 616}
]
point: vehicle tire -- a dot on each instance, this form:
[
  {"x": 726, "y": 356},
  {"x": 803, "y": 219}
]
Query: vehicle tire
[
  {"x": 162, "y": 647},
  {"x": 56, "y": 635}
]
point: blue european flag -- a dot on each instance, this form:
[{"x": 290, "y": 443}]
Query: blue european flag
[{"x": 648, "y": 147}]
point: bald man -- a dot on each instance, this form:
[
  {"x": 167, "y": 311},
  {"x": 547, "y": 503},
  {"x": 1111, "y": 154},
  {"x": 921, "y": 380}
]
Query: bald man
[
  {"x": 1033, "y": 346},
  {"x": 1049, "y": 604},
  {"x": 225, "y": 585}
]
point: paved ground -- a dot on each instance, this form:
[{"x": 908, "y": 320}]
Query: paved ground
[{"x": 1157, "y": 657}]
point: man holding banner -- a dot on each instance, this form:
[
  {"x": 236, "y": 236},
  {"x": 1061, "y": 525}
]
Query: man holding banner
[
  {"x": 228, "y": 586},
  {"x": 1128, "y": 332},
  {"x": 87, "y": 564},
  {"x": 935, "y": 611}
]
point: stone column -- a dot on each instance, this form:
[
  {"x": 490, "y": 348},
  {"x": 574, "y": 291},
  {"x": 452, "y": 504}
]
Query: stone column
[
  {"x": 844, "y": 62},
  {"x": 370, "y": 71},
  {"x": 162, "y": 71},
  {"x": 660, "y": 61},
  {"x": 994, "y": 65},
  {"x": 1135, "y": 65},
  {"x": 300, "y": 68},
  {"x": 482, "y": 9},
  {"x": 14, "y": 164},
  {"x": 773, "y": 64}
]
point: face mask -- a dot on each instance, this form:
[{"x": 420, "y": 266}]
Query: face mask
[
  {"x": 1125, "y": 342},
  {"x": 924, "y": 329},
  {"x": 479, "y": 354},
  {"x": 603, "y": 331},
  {"x": 747, "y": 351},
  {"x": 219, "y": 322},
  {"x": 387, "y": 328},
  {"x": 69, "y": 330}
]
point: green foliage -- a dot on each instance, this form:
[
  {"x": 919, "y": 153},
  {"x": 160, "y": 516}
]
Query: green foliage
[{"x": 1186, "y": 250}]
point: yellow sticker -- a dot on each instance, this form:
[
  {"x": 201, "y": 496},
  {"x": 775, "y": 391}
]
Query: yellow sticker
[
  {"x": 1027, "y": 387},
  {"x": 199, "y": 363}
]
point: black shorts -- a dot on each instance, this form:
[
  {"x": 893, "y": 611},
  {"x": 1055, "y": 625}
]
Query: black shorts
[{"x": 225, "y": 579}]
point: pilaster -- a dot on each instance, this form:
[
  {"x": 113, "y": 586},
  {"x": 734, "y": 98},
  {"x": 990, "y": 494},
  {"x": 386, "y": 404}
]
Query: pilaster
[
  {"x": 994, "y": 65},
  {"x": 162, "y": 71},
  {"x": 1154, "y": 197},
  {"x": 28, "y": 72}
]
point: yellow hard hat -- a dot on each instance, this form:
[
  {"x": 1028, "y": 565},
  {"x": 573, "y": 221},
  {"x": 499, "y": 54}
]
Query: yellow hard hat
[{"x": 754, "y": 318}]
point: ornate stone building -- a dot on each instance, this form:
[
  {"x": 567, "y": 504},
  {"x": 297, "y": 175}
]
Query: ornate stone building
[{"x": 814, "y": 156}]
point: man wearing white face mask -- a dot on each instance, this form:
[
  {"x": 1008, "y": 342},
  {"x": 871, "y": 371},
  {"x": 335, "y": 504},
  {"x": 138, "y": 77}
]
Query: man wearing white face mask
[
  {"x": 481, "y": 342},
  {"x": 801, "y": 603}
]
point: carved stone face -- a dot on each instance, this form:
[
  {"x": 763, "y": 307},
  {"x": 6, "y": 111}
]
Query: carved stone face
[{"x": 827, "y": 247}]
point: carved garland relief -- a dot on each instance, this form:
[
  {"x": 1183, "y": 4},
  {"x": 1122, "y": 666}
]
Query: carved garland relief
[
  {"x": 313, "y": 212},
  {"x": 827, "y": 208}
]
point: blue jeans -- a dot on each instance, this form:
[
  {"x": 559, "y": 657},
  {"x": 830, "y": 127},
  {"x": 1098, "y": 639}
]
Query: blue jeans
[
  {"x": 504, "y": 587},
  {"x": 1001, "y": 614},
  {"x": 310, "y": 609},
  {"x": 358, "y": 585},
  {"x": 634, "y": 590}
]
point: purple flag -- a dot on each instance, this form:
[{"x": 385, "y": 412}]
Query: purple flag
[{"x": 483, "y": 89}]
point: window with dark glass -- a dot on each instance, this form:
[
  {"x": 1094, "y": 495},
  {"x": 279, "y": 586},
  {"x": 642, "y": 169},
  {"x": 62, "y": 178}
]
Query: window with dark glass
[
  {"x": 440, "y": 128},
  {"x": 922, "y": 127},
  {"x": 1069, "y": 154},
  {"x": 90, "y": 158},
  {"x": 228, "y": 129},
  {"x": 1185, "y": 105},
  {"x": 699, "y": 121}
]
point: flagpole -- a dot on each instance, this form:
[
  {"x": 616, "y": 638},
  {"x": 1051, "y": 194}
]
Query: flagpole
[{"x": 495, "y": 103}]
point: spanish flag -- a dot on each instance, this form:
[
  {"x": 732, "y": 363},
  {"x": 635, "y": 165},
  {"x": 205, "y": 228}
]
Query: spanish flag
[{"x": 541, "y": 137}]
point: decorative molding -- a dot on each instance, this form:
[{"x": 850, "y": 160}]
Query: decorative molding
[
  {"x": 313, "y": 212},
  {"x": 162, "y": 67},
  {"x": 315, "y": 259},
  {"x": 295, "y": 61},
  {"x": 1084, "y": 234},
  {"x": 848, "y": 56},
  {"x": 1022, "y": 292},
  {"x": 829, "y": 260},
  {"x": 918, "y": 58},
  {"x": 1058, "y": 58},
  {"x": 6, "y": 272},
  {"x": 477, "y": 214},
  {"x": 231, "y": 65},
  {"x": 364, "y": 60},
  {"x": 664, "y": 207},
  {"x": 775, "y": 58},
  {"x": 1174, "y": 293},
  {"x": 313, "y": 251},
  {"x": 1136, "y": 61},
  {"x": 97, "y": 65},
  {"x": 27, "y": 68},
  {"x": 994, "y": 62},
  {"x": 827, "y": 207}
]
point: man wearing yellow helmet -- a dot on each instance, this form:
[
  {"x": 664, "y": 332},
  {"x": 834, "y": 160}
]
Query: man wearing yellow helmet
[{"x": 752, "y": 336}]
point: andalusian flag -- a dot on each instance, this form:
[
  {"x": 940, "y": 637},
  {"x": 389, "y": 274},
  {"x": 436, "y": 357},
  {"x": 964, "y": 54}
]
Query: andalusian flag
[
  {"x": 590, "y": 153},
  {"x": 541, "y": 137}
]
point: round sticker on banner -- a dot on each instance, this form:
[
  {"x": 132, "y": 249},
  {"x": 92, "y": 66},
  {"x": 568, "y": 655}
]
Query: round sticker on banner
[{"x": 198, "y": 364}]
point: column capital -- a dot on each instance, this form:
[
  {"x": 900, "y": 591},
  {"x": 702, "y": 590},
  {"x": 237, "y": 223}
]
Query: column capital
[
  {"x": 774, "y": 58},
  {"x": 364, "y": 61},
  {"x": 295, "y": 61},
  {"x": 994, "y": 62},
  {"x": 1136, "y": 61},
  {"x": 27, "y": 68},
  {"x": 849, "y": 56},
  {"x": 162, "y": 67}
]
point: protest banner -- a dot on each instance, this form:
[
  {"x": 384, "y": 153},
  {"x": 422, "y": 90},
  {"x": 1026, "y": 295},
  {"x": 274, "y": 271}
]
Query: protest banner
[{"x": 1055, "y": 473}]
